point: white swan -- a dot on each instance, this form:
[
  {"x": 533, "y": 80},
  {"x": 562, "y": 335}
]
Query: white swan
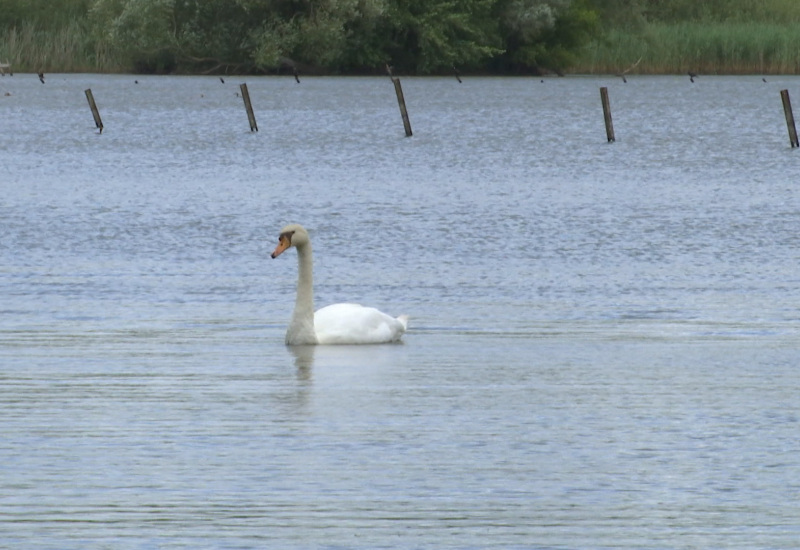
[{"x": 337, "y": 323}]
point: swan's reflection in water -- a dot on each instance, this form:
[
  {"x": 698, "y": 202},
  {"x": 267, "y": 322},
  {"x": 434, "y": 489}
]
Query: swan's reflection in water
[
  {"x": 334, "y": 362},
  {"x": 303, "y": 360}
]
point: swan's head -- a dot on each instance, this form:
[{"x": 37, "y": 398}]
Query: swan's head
[{"x": 291, "y": 235}]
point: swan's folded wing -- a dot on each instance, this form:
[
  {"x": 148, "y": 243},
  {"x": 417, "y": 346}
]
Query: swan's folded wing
[{"x": 356, "y": 324}]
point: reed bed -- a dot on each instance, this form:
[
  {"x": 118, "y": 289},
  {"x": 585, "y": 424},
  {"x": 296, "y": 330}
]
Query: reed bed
[
  {"x": 69, "y": 48},
  {"x": 709, "y": 48}
]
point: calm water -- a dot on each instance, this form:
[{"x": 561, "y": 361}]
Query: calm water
[{"x": 604, "y": 343}]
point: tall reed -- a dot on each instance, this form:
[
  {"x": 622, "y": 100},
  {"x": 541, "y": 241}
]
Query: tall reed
[
  {"x": 69, "y": 48},
  {"x": 710, "y": 48}
]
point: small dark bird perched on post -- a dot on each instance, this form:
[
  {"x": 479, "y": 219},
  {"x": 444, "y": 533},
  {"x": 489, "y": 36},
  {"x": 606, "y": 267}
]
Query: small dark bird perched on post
[
  {"x": 41, "y": 78},
  {"x": 691, "y": 76},
  {"x": 389, "y": 70}
]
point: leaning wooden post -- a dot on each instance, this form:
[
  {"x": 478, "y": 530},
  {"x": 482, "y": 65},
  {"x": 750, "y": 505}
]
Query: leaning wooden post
[
  {"x": 787, "y": 111},
  {"x": 402, "y": 103},
  {"x": 95, "y": 113},
  {"x": 607, "y": 115},
  {"x": 249, "y": 107}
]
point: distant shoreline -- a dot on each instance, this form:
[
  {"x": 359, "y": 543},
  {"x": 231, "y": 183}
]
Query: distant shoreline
[{"x": 730, "y": 48}]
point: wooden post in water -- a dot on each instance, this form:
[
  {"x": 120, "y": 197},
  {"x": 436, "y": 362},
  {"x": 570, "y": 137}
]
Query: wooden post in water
[
  {"x": 607, "y": 115},
  {"x": 249, "y": 107},
  {"x": 787, "y": 111},
  {"x": 402, "y": 103},
  {"x": 93, "y": 106}
]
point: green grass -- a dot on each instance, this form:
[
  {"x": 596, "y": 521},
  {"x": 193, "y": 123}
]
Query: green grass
[{"x": 709, "y": 48}]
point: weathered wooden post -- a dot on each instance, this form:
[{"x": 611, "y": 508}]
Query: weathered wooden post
[
  {"x": 402, "y": 103},
  {"x": 249, "y": 107},
  {"x": 787, "y": 111},
  {"x": 607, "y": 115},
  {"x": 93, "y": 106}
]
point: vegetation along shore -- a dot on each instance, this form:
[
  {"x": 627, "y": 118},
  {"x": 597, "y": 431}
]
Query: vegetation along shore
[{"x": 411, "y": 36}]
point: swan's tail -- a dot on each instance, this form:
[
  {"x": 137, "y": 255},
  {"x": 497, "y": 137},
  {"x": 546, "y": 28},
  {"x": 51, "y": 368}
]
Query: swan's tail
[{"x": 403, "y": 321}]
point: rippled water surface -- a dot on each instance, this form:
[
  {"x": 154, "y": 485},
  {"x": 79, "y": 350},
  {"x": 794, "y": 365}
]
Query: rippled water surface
[{"x": 603, "y": 350}]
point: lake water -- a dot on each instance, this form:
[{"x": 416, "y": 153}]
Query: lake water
[{"x": 604, "y": 342}]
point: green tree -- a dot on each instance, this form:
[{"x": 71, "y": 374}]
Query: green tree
[
  {"x": 416, "y": 36},
  {"x": 544, "y": 35},
  {"x": 139, "y": 31},
  {"x": 198, "y": 35},
  {"x": 423, "y": 36},
  {"x": 44, "y": 14},
  {"x": 310, "y": 33},
  {"x": 213, "y": 35}
]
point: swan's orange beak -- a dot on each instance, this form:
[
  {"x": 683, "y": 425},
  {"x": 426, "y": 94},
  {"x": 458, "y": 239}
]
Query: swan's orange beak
[{"x": 284, "y": 242}]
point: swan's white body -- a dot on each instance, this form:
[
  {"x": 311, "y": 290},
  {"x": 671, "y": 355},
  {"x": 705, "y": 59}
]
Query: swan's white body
[{"x": 337, "y": 323}]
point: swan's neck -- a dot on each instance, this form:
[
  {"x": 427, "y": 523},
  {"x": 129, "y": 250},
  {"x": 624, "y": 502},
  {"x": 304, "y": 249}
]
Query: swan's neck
[{"x": 301, "y": 329}]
